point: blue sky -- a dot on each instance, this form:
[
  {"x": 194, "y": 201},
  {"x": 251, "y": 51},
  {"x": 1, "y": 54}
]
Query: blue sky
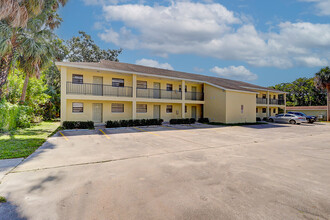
[{"x": 264, "y": 42}]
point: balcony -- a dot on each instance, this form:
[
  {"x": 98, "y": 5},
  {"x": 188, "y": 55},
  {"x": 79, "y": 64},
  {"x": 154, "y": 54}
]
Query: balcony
[
  {"x": 98, "y": 90},
  {"x": 158, "y": 94},
  {"x": 276, "y": 102},
  {"x": 198, "y": 96},
  {"x": 262, "y": 101}
]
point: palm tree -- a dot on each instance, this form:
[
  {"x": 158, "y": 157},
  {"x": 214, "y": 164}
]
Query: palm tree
[
  {"x": 14, "y": 17},
  {"x": 38, "y": 52},
  {"x": 322, "y": 81}
]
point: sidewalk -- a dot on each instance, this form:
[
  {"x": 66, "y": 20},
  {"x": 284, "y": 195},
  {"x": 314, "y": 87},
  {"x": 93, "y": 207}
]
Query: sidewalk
[{"x": 7, "y": 165}]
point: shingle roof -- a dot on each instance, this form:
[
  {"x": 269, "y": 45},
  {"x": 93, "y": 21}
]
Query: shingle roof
[
  {"x": 221, "y": 82},
  {"x": 306, "y": 108}
]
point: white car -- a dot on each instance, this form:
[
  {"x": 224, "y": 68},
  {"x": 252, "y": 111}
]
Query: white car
[{"x": 288, "y": 118}]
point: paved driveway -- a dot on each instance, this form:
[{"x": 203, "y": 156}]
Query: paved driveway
[{"x": 203, "y": 172}]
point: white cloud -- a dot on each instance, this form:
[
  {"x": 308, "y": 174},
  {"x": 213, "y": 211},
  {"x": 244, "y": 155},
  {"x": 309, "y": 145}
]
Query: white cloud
[
  {"x": 212, "y": 30},
  {"x": 154, "y": 63},
  {"x": 323, "y": 6},
  {"x": 235, "y": 72}
]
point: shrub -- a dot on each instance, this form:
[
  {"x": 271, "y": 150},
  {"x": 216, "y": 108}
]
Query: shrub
[
  {"x": 78, "y": 125},
  {"x": 14, "y": 116},
  {"x": 258, "y": 119},
  {"x": 131, "y": 123},
  {"x": 183, "y": 121},
  {"x": 203, "y": 120}
]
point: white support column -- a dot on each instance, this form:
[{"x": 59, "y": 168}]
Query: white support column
[
  {"x": 268, "y": 104},
  {"x": 63, "y": 94},
  {"x": 183, "y": 105},
  {"x": 134, "y": 110},
  {"x": 134, "y": 97},
  {"x": 134, "y": 86}
]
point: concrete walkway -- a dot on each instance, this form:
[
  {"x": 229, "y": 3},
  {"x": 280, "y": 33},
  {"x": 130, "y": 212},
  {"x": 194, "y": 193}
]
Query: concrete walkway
[{"x": 7, "y": 165}]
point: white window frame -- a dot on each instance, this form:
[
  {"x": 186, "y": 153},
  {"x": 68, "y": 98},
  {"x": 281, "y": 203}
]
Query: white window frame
[
  {"x": 145, "y": 106},
  {"x": 120, "y": 105},
  {"x": 77, "y": 75},
  {"x": 118, "y": 83},
  {"x": 171, "y": 109},
  {"x": 82, "y": 106},
  {"x": 142, "y": 82}
]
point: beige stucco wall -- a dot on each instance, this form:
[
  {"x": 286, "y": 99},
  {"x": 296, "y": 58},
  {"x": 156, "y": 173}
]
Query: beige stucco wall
[
  {"x": 271, "y": 111},
  {"x": 234, "y": 100},
  {"x": 215, "y": 104}
]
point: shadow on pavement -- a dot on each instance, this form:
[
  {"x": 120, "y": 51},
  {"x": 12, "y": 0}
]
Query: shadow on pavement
[{"x": 9, "y": 211}]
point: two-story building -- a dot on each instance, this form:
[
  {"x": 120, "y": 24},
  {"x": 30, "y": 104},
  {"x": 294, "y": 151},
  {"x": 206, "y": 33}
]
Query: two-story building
[{"x": 114, "y": 91}]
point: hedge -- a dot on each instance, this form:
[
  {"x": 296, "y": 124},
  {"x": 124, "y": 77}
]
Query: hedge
[
  {"x": 182, "y": 121},
  {"x": 203, "y": 120},
  {"x": 131, "y": 123},
  {"x": 78, "y": 125},
  {"x": 14, "y": 116}
]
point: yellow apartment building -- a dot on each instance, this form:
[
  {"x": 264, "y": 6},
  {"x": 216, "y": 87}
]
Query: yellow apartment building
[{"x": 115, "y": 91}]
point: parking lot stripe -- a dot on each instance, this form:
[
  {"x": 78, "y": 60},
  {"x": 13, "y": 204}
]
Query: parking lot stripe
[
  {"x": 104, "y": 134},
  {"x": 64, "y": 136},
  {"x": 146, "y": 131}
]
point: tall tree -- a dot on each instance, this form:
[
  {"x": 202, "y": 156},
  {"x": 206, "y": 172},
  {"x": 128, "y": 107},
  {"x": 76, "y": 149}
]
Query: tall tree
[
  {"x": 14, "y": 16},
  {"x": 38, "y": 51},
  {"x": 83, "y": 49},
  {"x": 322, "y": 80}
]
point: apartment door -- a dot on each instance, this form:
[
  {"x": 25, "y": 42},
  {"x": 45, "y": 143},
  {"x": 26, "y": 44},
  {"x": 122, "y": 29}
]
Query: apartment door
[
  {"x": 157, "y": 111},
  {"x": 193, "y": 90},
  {"x": 97, "y": 112},
  {"x": 156, "y": 90},
  {"x": 97, "y": 85},
  {"x": 193, "y": 112}
]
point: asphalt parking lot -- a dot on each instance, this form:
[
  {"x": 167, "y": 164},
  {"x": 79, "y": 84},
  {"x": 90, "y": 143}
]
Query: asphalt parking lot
[{"x": 272, "y": 171}]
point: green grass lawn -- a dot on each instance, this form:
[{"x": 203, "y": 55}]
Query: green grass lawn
[{"x": 23, "y": 142}]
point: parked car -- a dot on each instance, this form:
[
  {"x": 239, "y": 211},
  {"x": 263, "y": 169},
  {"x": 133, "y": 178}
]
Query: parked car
[
  {"x": 310, "y": 119},
  {"x": 288, "y": 118}
]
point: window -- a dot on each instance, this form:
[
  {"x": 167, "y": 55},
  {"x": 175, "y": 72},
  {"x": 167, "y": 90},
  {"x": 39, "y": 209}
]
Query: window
[
  {"x": 256, "y": 110},
  {"x": 242, "y": 109},
  {"x": 141, "y": 84},
  {"x": 141, "y": 108},
  {"x": 180, "y": 88},
  {"x": 77, "y": 107},
  {"x": 169, "y": 109},
  {"x": 274, "y": 111},
  {"x": 264, "y": 96},
  {"x": 274, "y": 96},
  {"x": 264, "y": 110},
  {"x": 185, "y": 109},
  {"x": 117, "y": 108},
  {"x": 77, "y": 79},
  {"x": 169, "y": 87},
  {"x": 117, "y": 82}
]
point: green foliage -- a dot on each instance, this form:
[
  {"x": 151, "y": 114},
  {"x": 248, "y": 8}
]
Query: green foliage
[
  {"x": 131, "y": 123},
  {"x": 322, "y": 78},
  {"x": 36, "y": 93},
  {"x": 83, "y": 49},
  {"x": 3, "y": 199},
  {"x": 14, "y": 116},
  {"x": 23, "y": 142},
  {"x": 203, "y": 120},
  {"x": 182, "y": 121},
  {"x": 78, "y": 125},
  {"x": 302, "y": 92}
]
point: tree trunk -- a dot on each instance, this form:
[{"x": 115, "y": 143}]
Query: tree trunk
[
  {"x": 26, "y": 82},
  {"x": 328, "y": 102},
  {"x": 4, "y": 70}
]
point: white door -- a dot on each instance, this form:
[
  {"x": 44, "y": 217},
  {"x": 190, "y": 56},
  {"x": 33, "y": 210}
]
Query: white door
[
  {"x": 156, "y": 111},
  {"x": 156, "y": 90},
  {"x": 97, "y": 85},
  {"x": 97, "y": 112},
  {"x": 193, "y": 112}
]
